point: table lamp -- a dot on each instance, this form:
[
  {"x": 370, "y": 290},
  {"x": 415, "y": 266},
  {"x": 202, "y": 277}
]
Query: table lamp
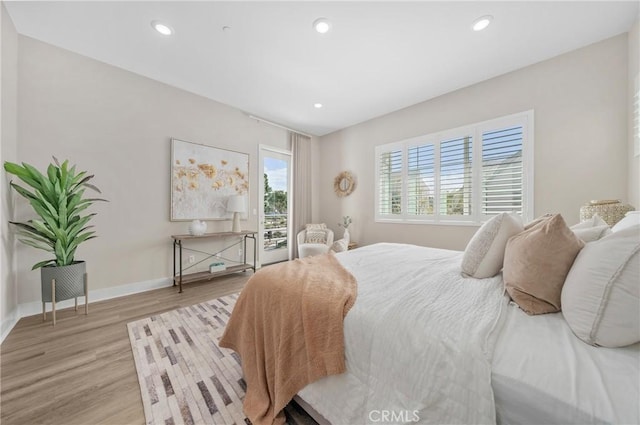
[{"x": 235, "y": 204}]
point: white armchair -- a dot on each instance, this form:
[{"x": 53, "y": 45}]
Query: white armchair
[{"x": 307, "y": 249}]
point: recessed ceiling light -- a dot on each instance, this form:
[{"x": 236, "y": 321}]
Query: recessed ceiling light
[
  {"x": 317, "y": 105},
  {"x": 322, "y": 25},
  {"x": 482, "y": 22},
  {"x": 163, "y": 29}
]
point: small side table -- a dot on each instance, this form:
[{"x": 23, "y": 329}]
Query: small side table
[
  {"x": 179, "y": 277},
  {"x": 352, "y": 245}
]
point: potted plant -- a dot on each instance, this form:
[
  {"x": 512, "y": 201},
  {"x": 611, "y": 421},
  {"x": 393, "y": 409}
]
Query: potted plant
[
  {"x": 58, "y": 199},
  {"x": 346, "y": 222}
]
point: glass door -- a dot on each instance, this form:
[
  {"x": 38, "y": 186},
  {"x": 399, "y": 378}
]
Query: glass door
[{"x": 275, "y": 220}]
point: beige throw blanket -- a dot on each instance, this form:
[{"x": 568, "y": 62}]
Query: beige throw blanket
[{"x": 288, "y": 328}]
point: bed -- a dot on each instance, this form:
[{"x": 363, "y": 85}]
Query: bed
[
  {"x": 481, "y": 361},
  {"x": 424, "y": 342}
]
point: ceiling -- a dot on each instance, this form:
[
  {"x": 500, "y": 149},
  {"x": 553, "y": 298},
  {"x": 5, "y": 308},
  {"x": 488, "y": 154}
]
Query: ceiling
[{"x": 379, "y": 56}]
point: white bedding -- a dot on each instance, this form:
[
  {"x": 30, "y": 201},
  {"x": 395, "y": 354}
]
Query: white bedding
[
  {"x": 418, "y": 341},
  {"x": 542, "y": 373}
]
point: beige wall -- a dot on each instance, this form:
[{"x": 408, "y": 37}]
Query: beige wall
[
  {"x": 580, "y": 104},
  {"x": 8, "y": 152},
  {"x": 634, "y": 72},
  {"x": 118, "y": 125}
]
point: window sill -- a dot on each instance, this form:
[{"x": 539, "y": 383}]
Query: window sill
[{"x": 428, "y": 222}]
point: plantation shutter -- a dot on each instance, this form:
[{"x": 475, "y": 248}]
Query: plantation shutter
[
  {"x": 420, "y": 179},
  {"x": 390, "y": 182},
  {"x": 502, "y": 182},
  {"x": 462, "y": 175},
  {"x": 455, "y": 176}
]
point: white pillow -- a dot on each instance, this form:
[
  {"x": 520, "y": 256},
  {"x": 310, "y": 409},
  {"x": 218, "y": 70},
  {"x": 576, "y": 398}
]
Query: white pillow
[
  {"x": 592, "y": 229},
  {"x": 320, "y": 226},
  {"x": 484, "y": 254},
  {"x": 340, "y": 245},
  {"x": 316, "y": 233},
  {"x": 601, "y": 295},
  {"x": 632, "y": 218}
]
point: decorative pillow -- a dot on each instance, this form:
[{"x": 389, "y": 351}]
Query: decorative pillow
[
  {"x": 601, "y": 296},
  {"x": 536, "y": 263},
  {"x": 592, "y": 229},
  {"x": 484, "y": 254},
  {"x": 340, "y": 245},
  {"x": 315, "y": 236},
  {"x": 632, "y": 218},
  {"x": 320, "y": 226},
  {"x": 538, "y": 220}
]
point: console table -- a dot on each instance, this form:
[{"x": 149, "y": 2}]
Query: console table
[{"x": 179, "y": 277}]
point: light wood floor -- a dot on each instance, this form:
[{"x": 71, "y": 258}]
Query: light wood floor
[{"x": 82, "y": 371}]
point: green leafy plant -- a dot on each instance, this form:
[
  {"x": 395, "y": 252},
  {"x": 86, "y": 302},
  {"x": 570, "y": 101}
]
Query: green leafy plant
[
  {"x": 346, "y": 221},
  {"x": 58, "y": 199}
]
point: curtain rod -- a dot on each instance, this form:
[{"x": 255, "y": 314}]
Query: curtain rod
[{"x": 278, "y": 125}]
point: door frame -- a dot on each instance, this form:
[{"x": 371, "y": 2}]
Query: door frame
[{"x": 263, "y": 151}]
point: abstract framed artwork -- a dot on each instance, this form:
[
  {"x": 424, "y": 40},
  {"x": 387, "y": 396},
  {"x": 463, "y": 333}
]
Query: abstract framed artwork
[{"x": 203, "y": 178}]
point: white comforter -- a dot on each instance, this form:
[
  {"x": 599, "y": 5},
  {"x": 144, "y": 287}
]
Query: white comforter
[{"x": 419, "y": 341}]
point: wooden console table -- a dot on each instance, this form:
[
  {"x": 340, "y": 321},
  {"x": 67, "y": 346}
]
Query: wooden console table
[{"x": 179, "y": 277}]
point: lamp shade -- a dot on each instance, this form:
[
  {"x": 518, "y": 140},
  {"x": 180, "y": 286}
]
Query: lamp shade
[{"x": 236, "y": 204}]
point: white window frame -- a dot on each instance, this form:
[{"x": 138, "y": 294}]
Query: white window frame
[{"x": 524, "y": 119}]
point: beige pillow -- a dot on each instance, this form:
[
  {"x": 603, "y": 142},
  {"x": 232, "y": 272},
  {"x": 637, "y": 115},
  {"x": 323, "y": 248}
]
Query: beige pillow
[
  {"x": 538, "y": 220},
  {"x": 601, "y": 295},
  {"x": 536, "y": 263},
  {"x": 484, "y": 254}
]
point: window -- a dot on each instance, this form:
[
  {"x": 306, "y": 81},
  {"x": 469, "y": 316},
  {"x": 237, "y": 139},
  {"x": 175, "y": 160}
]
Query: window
[
  {"x": 464, "y": 175},
  {"x": 390, "y": 182}
]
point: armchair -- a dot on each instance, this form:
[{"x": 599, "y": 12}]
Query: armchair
[{"x": 306, "y": 249}]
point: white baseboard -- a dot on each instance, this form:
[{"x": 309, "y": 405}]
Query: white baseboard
[
  {"x": 8, "y": 323},
  {"x": 35, "y": 307}
]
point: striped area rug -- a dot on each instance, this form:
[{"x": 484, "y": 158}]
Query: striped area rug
[{"x": 184, "y": 377}]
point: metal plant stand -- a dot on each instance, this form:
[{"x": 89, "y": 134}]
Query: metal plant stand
[{"x": 53, "y": 300}]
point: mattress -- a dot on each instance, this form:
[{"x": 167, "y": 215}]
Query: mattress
[{"x": 543, "y": 374}]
